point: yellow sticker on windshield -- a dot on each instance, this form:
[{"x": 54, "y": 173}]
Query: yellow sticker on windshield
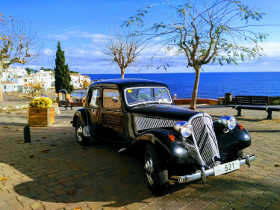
[{"x": 129, "y": 91}]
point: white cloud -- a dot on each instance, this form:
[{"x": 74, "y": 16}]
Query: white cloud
[
  {"x": 95, "y": 37},
  {"x": 32, "y": 66},
  {"x": 98, "y": 53},
  {"x": 81, "y": 53},
  {"x": 60, "y": 37},
  {"x": 49, "y": 52},
  {"x": 271, "y": 48},
  {"x": 91, "y": 65},
  {"x": 87, "y": 57}
]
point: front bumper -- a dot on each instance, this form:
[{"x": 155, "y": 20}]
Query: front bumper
[{"x": 210, "y": 172}]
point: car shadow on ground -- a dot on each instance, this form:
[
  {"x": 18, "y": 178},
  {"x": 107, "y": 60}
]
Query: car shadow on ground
[
  {"x": 264, "y": 131},
  {"x": 12, "y": 124},
  {"x": 243, "y": 118},
  {"x": 67, "y": 172}
]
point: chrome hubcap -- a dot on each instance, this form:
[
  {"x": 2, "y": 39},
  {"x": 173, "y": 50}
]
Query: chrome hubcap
[
  {"x": 79, "y": 133},
  {"x": 149, "y": 167}
]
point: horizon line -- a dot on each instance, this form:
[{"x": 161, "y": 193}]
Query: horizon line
[{"x": 189, "y": 72}]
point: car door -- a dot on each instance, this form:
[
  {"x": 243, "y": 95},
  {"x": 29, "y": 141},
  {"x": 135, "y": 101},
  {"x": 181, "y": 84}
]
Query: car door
[
  {"x": 93, "y": 107},
  {"x": 112, "y": 116}
]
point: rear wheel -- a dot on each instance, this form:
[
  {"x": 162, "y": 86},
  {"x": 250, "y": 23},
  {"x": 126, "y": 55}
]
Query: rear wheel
[
  {"x": 155, "y": 170},
  {"x": 81, "y": 139}
]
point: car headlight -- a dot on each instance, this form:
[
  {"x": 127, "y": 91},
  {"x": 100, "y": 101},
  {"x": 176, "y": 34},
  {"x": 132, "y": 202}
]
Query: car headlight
[
  {"x": 228, "y": 121},
  {"x": 184, "y": 127}
]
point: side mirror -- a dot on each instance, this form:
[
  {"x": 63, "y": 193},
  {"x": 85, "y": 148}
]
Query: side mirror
[{"x": 115, "y": 99}]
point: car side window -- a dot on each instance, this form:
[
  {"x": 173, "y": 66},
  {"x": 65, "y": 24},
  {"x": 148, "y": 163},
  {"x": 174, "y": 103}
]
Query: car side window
[
  {"x": 94, "y": 97},
  {"x": 111, "y": 99}
]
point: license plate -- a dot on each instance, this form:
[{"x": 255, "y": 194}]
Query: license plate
[{"x": 227, "y": 167}]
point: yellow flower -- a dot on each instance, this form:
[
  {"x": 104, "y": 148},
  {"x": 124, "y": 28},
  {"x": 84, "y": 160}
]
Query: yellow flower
[{"x": 41, "y": 102}]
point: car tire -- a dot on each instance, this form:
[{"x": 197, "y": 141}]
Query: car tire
[
  {"x": 155, "y": 170},
  {"x": 81, "y": 139}
]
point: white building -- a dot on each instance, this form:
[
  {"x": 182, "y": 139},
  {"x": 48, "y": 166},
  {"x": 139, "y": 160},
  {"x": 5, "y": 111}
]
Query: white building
[
  {"x": 8, "y": 86},
  {"x": 17, "y": 79},
  {"x": 13, "y": 72},
  {"x": 78, "y": 80},
  {"x": 24, "y": 82}
]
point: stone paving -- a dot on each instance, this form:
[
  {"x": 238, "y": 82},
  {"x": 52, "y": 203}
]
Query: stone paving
[{"x": 54, "y": 172}]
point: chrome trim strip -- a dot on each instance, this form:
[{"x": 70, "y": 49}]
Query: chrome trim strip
[
  {"x": 210, "y": 172},
  {"x": 213, "y": 146},
  {"x": 195, "y": 141}
]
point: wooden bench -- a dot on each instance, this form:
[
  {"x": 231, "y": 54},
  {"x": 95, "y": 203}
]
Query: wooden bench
[
  {"x": 253, "y": 103},
  {"x": 70, "y": 103}
]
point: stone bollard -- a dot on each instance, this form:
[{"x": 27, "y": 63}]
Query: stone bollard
[
  {"x": 228, "y": 98},
  {"x": 221, "y": 101},
  {"x": 27, "y": 136},
  {"x": 56, "y": 108}
]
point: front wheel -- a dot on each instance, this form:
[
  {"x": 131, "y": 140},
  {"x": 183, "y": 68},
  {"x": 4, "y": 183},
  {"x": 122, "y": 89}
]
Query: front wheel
[
  {"x": 81, "y": 139},
  {"x": 155, "y": 170}
]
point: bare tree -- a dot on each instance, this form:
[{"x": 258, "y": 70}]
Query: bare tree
[
  {"x": 15, "y": 44},
  {"x": 204, "y": 31},
  {"x": 123, "y": 50},
  {"x": 35, "y": 89}
]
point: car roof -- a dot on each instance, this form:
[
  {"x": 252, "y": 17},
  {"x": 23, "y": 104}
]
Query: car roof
[{"x": 123, "y": 83}]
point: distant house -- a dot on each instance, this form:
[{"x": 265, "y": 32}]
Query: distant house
[
  {"x": 78, "y": 80},
  {"x": 13, "y": 72},
  {"x": 17, "y": 79},
  {"x": 25, "y": 88},
  {"x": 8, "y": 86}
]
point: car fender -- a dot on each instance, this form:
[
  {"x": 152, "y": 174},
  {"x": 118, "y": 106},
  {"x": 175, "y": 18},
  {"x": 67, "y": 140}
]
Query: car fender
[
  {"x": 82, "y": 115},
  {"x": 233, "y": 141},
  {"x": 167, "y": 143}
]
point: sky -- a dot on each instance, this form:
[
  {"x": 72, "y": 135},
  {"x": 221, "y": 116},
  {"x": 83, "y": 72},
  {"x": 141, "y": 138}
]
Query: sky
[{"x": 81, "y": 27}]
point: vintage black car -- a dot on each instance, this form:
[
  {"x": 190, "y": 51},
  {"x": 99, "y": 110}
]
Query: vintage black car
[{"x": 140, "y": 116}]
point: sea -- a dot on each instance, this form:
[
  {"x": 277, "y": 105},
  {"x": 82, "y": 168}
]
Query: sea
[{"x": 211, "y": 85}]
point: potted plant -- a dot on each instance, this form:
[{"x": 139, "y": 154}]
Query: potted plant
[{"x": 40, "y": 112}]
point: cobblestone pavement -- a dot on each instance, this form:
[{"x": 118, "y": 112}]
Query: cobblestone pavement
[{"x": 69, "y": 176}]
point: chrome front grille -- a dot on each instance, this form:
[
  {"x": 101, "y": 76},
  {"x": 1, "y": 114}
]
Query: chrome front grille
[
  {"x": 144, "y": 123},
  {"x": 205, "y": 138},
  {"x": 204, "y": 143}
]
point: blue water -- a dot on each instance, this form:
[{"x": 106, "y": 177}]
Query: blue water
[{"x": 213, "y": 85}]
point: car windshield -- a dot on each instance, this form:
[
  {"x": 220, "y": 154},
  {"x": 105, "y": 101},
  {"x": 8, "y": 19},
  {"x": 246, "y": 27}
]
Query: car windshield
[{"x": 144, "y": 95}]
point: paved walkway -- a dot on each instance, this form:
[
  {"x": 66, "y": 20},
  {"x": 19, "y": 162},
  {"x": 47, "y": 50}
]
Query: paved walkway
[{"x": 69, "y": 176}]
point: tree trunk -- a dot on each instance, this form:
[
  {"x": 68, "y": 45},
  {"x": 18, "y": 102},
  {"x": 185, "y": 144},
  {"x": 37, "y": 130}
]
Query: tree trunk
[
  {"x": 122, "y": 73},
  {"x": 1, "y": 70},
  {"x": 1, "y": 95},
  {"x": 195, "y": 88}
]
